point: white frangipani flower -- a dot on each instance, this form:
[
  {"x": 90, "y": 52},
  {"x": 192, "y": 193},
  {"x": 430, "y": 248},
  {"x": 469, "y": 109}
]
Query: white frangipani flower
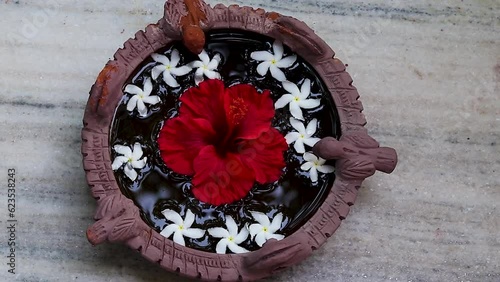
[
  {"x": 274, "y": 62},
  {"x": 264, "y": 229},
  {"x": 131, "y": 158},
  {"x": 297, "y": 99},
  {"x": 303, "y": 135},
  {"x": 206, "y": 67},
  {"x": 168, "y": 67},
  {"x": 180, "y": 228},
  {"x": 231, "y": 238},
  {"x": 141, "y": 97},
  {"x": 314, "y": 164}
]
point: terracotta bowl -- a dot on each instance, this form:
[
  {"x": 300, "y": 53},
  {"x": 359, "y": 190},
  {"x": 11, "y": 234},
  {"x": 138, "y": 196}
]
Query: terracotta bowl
[{"x": 357, "y": 155}]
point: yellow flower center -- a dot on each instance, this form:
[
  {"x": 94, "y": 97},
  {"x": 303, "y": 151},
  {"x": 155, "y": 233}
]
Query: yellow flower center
[
  {"x": 265, "y": 229},
  {"x": 230, "y": 238},
  {"x": 168, "y": 67},
  {"x": 302, "y": 136},
  {"x": 129, "y": 160},
  {"x": 181, "y": 227},
  {"x": 297, "y": 99},
  {"x": 274, "y": 62}
]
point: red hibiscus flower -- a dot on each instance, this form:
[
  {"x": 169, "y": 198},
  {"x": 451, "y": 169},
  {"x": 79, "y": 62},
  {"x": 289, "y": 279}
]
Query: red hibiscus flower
[{"x": 223, "y": 138}]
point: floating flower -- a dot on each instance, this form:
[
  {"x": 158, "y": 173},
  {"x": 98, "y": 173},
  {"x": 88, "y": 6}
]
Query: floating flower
[
  {"x": 206, "y": 67},
  {"x": 131, "y": 158},
  {"x": 303, "y": 135},
  {"x": 223, "y": 138},
  {"x": 297, "y": 99},
  {"x": 231, "y": 238},
  {"x": 168, "y": 67},
  {"x": 314, "y": 164},
  {"x": 180, "y": 228},
  {"x": 264, "y": 230},
  {"x": 274, "y": 62},
  {"x": 141, "y": 97}
]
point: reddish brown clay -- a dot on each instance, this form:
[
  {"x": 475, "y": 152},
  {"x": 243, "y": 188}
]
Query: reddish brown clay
[{"x": 117, "y": 218}]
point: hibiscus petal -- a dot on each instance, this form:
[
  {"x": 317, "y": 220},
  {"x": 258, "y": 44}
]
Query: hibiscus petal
[
  {"x": 152, "y": 100},
  {"x": 173, "y": 216},
  {"x": 180, "y": 141},
  {"x": 189, "y": 219},
  {"x": 221, "y": 246},
  {"x": 204, "y": 57},
  {"x": 262, "y": 56},
  {"x": 254, "y": 229},
  {"x": 326, "y": 168},
  {"x": 299, "y": 146},
  {"x": 242, "y": 236},
  {"x": 218, "y": 232},
  {"x": 291, "y": 88},
  {"x": 305, "y": 89},
  {"x": 313, "y": 174},
  {"x": 132, "y": 103},
  {"x": 148, "y": 87},
  {"x": 260, "y": 239},
  {"x": 263, "y": 68},
  {"x": 181, "y": 71},
  {"x": 292, "y": 137},
  {"x": 123, "y": 150},
  {"x": 296, "y": 111},
  {"x": 311, "y": 141},
  {"x": 170, "y": 80},
  {"x": 194, "y": 233},
  {"x": 118, "y": 162},
  {"x": 306, "y": 166},
  {"x": 232, "y": 228},
  {"x": 308, "y": 157},
  {"x": 161, "y": 59},
  {"x": 298, "y": 125},
  {"x": 178, "y": 238},
  {"x": 261, "y": 218},
  {"x": 248, "y": 113},
  {"x": 220, "y": 180},
  {"x": 236, "y": 249},
  {"x": 309, "y": 103},
  {"x": 283, "y": 101},
  {"x": 141, "y": 108},
  {"x": 277, "y": 73},
  {"x": 169, "y": 230},
  {"x": 311, "y": 127},
  {"x": 278, "y": 49},
  {"x": 134, "y": 90},
  {"x": 156, "y": 71},
  {"x": 286, "y": 62},
  {"x": 130, "y": 173},
  {"x": 174, "y": 58},
  {"x": 276, "y": 224}
]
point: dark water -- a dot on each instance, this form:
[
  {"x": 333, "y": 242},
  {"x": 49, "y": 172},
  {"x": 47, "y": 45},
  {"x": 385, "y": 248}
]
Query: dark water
[{"x": 158, "y": 188}]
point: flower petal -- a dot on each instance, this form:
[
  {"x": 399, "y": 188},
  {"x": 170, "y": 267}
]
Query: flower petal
[
  {"x": 118, "y": 162},
  {"x": 204, "y": 57},
  {"x": 137, "y": 151},
  {"x": 326, "y": 169},
  {"x": 178, "y": 238},
  {"x": 232, "y": 228},
  {"x": 286, "y": 62},
  {"x": 175, "y": 58},
  {"x": 152, "y": 100},
  {"x": 161, "y": 59},
  {"x": 305, "y": 89},
  {"x": 212, "y": 74},
  {"x": 278, "y": 49},
  {"x": 260, "y": 239},
  {"x": 292, "y": 137},
  {"x": 134, "y": 90},
  {"x": 313, "y": 174},
  {"x": 132, "y": 103},
  {"x": 189, "y": 219},
  {"x": 196, "y": 64},
  {"x": 169, "y": 230},
  {"x": 296, "y": 111},
  {"x": 218, "y": 232},
  {"x": 311, "y": 141},
  {"x": 265, "y": 155},
  {"x": 254, "y": 229},
  {"x": 276, "y": 224},
  {"x": 307, "y": 166},
  {"x": 141, "y": 108},
  {"x": 299, "y": 146},
  {"x": 220, "y": 179},
  {"x": 283, "y": 101},
  {"x": 123, "y": 150},
  {"x": 277, "y": 73},
  {"x": 236, "y": 249},
  {"x": 181, "y": 71},
  {"x": 139, "y": 164},
  {"x": 261, "y": 218},
  {"x": 263, "y": 68},
  {"x": 262, "y": 56},
  {"x": 148, "y": 87},
  {"x": 312, "y": 127},
  {"x": 173, "y": 217},
  {"x": 156, "y": 71},
  {"x": 130, "y": 173},
  {"x": 193, "y": 233},
  {"x": 298, "y": 125},
  {"x": 292, "y": 88},
  {"x": 170, "y": 80},
  {"x": 309, "y": 104},
  {"x": 198, "y": 78},
  {"x": 221, "y": 246},
  {"x": 308, "y": 157},
  {"x": 214, "y": 63},
  {"x": 242, "y": 236},
  {"x": 275, "y": 236}
]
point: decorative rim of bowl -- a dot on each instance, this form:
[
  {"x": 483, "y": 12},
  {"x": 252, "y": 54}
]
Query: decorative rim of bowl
[{"x": 118, "y": 218}]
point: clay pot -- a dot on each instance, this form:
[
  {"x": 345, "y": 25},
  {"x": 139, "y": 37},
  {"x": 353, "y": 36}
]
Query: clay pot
[{"x": 117, "y": 218}]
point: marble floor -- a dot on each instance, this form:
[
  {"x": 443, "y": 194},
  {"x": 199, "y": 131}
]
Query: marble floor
[{"x": 429, "y": 76}]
